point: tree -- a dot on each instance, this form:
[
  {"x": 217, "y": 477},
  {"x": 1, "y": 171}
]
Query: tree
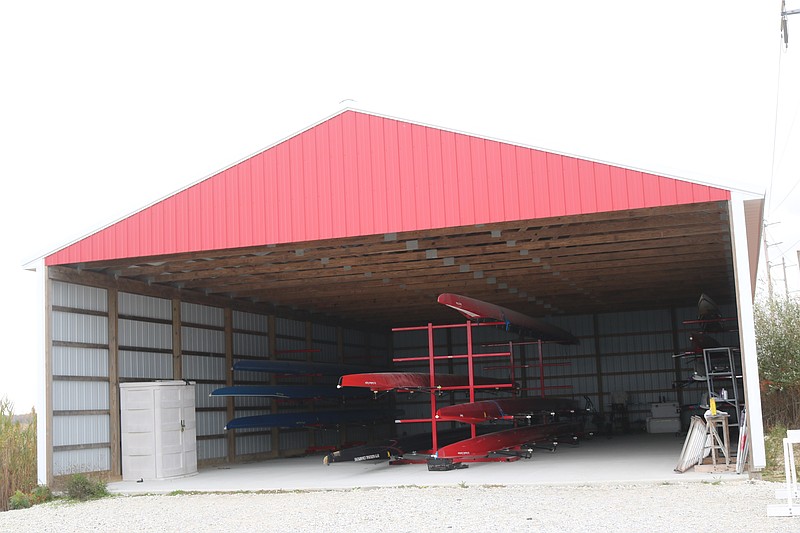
[{"x": 777, "y": 322}]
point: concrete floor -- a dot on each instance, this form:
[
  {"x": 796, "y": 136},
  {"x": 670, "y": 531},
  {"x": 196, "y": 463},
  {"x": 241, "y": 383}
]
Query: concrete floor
[{"x": 642, "y": 458}]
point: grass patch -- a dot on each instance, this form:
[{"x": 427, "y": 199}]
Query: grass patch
[{"x": 773, "y": 446}]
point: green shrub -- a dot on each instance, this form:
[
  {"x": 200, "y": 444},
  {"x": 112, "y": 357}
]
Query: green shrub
[
  {"x": 19, "y": 500},
  {"x": 80, "y": 487},
  {"x": 17, "y": 454},
  {"x": 41, "y": 494}
]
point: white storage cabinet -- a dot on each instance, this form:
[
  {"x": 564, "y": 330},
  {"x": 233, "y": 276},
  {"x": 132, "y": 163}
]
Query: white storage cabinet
[{"x": 159, "y": 431}]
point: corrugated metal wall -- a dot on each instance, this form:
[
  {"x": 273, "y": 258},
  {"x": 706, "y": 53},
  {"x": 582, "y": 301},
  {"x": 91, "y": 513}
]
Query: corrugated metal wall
[
  {"x": 203, "y": 361},
  {"x": 80, "y": 368},
  {"x": 80, "y": 393}
]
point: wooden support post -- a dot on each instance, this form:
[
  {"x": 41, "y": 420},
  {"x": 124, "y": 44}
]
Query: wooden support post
[
  {"x": 114, "y": 424},
  {"x": 230, "y": 407},
  {"x": 177, "y": 360},
  {"x": 273, "y": 406}
]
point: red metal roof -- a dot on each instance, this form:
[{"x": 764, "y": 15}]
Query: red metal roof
[{"x": 362, "y": 174}]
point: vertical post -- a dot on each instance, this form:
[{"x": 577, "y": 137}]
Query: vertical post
[
  {"x": 312, "y": 435},
  {"x": 177, "y": 362},
  {"x": 44, "y": 415},
  {"x": 471, "y": 372},
  {"x": 272, "y": 342},
  {"x": 766, "y": 258},
  {"x": 541, "y": 368},
  {"x": 432, "y": 370},
  {"x": 114, "y": 424},
  {"x": 230, "y": 408},
  {"x": 599, "y": 365}
]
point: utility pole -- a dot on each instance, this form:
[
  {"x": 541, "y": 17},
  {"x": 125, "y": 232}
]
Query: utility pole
[
  {"x": 785, "y": 281},
  {"x": 766, "y": 258}
]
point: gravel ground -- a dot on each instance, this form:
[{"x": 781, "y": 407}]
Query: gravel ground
[{"x": 718, "y": 506}]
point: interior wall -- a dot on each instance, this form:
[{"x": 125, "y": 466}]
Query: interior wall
[{"x": 141, "y": 337}]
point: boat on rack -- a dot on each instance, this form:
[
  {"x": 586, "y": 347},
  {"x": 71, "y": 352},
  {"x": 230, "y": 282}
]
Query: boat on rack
[
  {"x": 418, "y": 381},
  {"x": 533, "y": 328}
]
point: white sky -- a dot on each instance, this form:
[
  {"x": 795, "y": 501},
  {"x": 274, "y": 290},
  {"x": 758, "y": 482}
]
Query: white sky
[{"x": 106, "y": 107}]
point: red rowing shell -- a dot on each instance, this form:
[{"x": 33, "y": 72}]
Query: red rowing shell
[
  {"x": 479, "y": 310},
  {"x": 386, "y": 381}
]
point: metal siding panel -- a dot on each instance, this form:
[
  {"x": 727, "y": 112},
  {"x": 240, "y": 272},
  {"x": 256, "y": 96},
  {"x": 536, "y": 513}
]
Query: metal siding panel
[
  {"x": 407, "y": 194},
  {"x": 80, "y": 429},
  {"x": 495, "y": 181},
  {"x": 321, "y": 332},
  {"x": 555, "y": 185},
  {"x": 74, "y": 327},
  {"x": 450, "y": 184},
  {"x": 72, "y": 361},
  {"x": 635, "y": 189},
  {"x": 349, "y": 183},
  {"x": 572, "y": 186},
  {"x": 510, "y": 178},
  {"x": 420, "y": 177},
  {"x": 250, "y": 321},
  {"x": 294, "y": 440},
  {"x": 144, "y": 306},
  {"x": 667, "y": 191},
  {"x": 202, "y": 398},
  {"x": 252, "y": 444},
  {"x": 311, "y": 178},
  {"x": 75, "y": 461},
  {"x": 79, "y": 395},
  {"x": 603, "y": 188},
  {"x": 338, "y": 180},
  {"x": 437, "y": 195},
  {"x": 138, "y": 334},
  {"x": 296, "y": 199},
  {"x": 391, "y": 148},
  {"x": 466, "y": 192},
  {"x": 252, "y": 345},
  {"x": 212, "y": 449},
  {"x": 380, "y": 197},
  {"x": 480, "y": 180},
  {"x": 202, "y": 314},
  {"x": 701, "y": 193},
  {"x": 619, "y": 188},
  {"x": 652, "y": 193},
  {"x": 324, "y": 181},
  {"x": 289, "y": 327},
  {"x": 79, "y": 297},
  {"x": 291, "y": 345},
  {"x": 211, "y": 423},
  {"x": 201, "y": 367},
  {"x": 364, "y": 177},
  {"x": 202, "y": 340},
  {"x": 588, "y": 185},
  {"x": 145, "y": 365}
]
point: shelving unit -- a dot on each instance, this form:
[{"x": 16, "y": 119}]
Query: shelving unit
[
  {"x": 470, "y": 356},
  {"x": 721, "y": 374}
]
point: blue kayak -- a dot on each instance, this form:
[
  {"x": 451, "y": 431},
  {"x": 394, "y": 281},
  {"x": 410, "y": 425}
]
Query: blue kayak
[{"x": 292, "y": 391}]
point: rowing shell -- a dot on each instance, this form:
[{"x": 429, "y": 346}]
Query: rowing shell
[
  {"x": 386, "y": 381},
  {"x": 482, "y": 311},
  {"x": 483, "y": 445},
  {"x": 505, "y": 408},
  {"x": 290, "y": 391}
]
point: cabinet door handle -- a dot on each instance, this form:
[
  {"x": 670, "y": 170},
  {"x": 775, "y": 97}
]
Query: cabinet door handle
[{"x": 183, "y": 425}]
